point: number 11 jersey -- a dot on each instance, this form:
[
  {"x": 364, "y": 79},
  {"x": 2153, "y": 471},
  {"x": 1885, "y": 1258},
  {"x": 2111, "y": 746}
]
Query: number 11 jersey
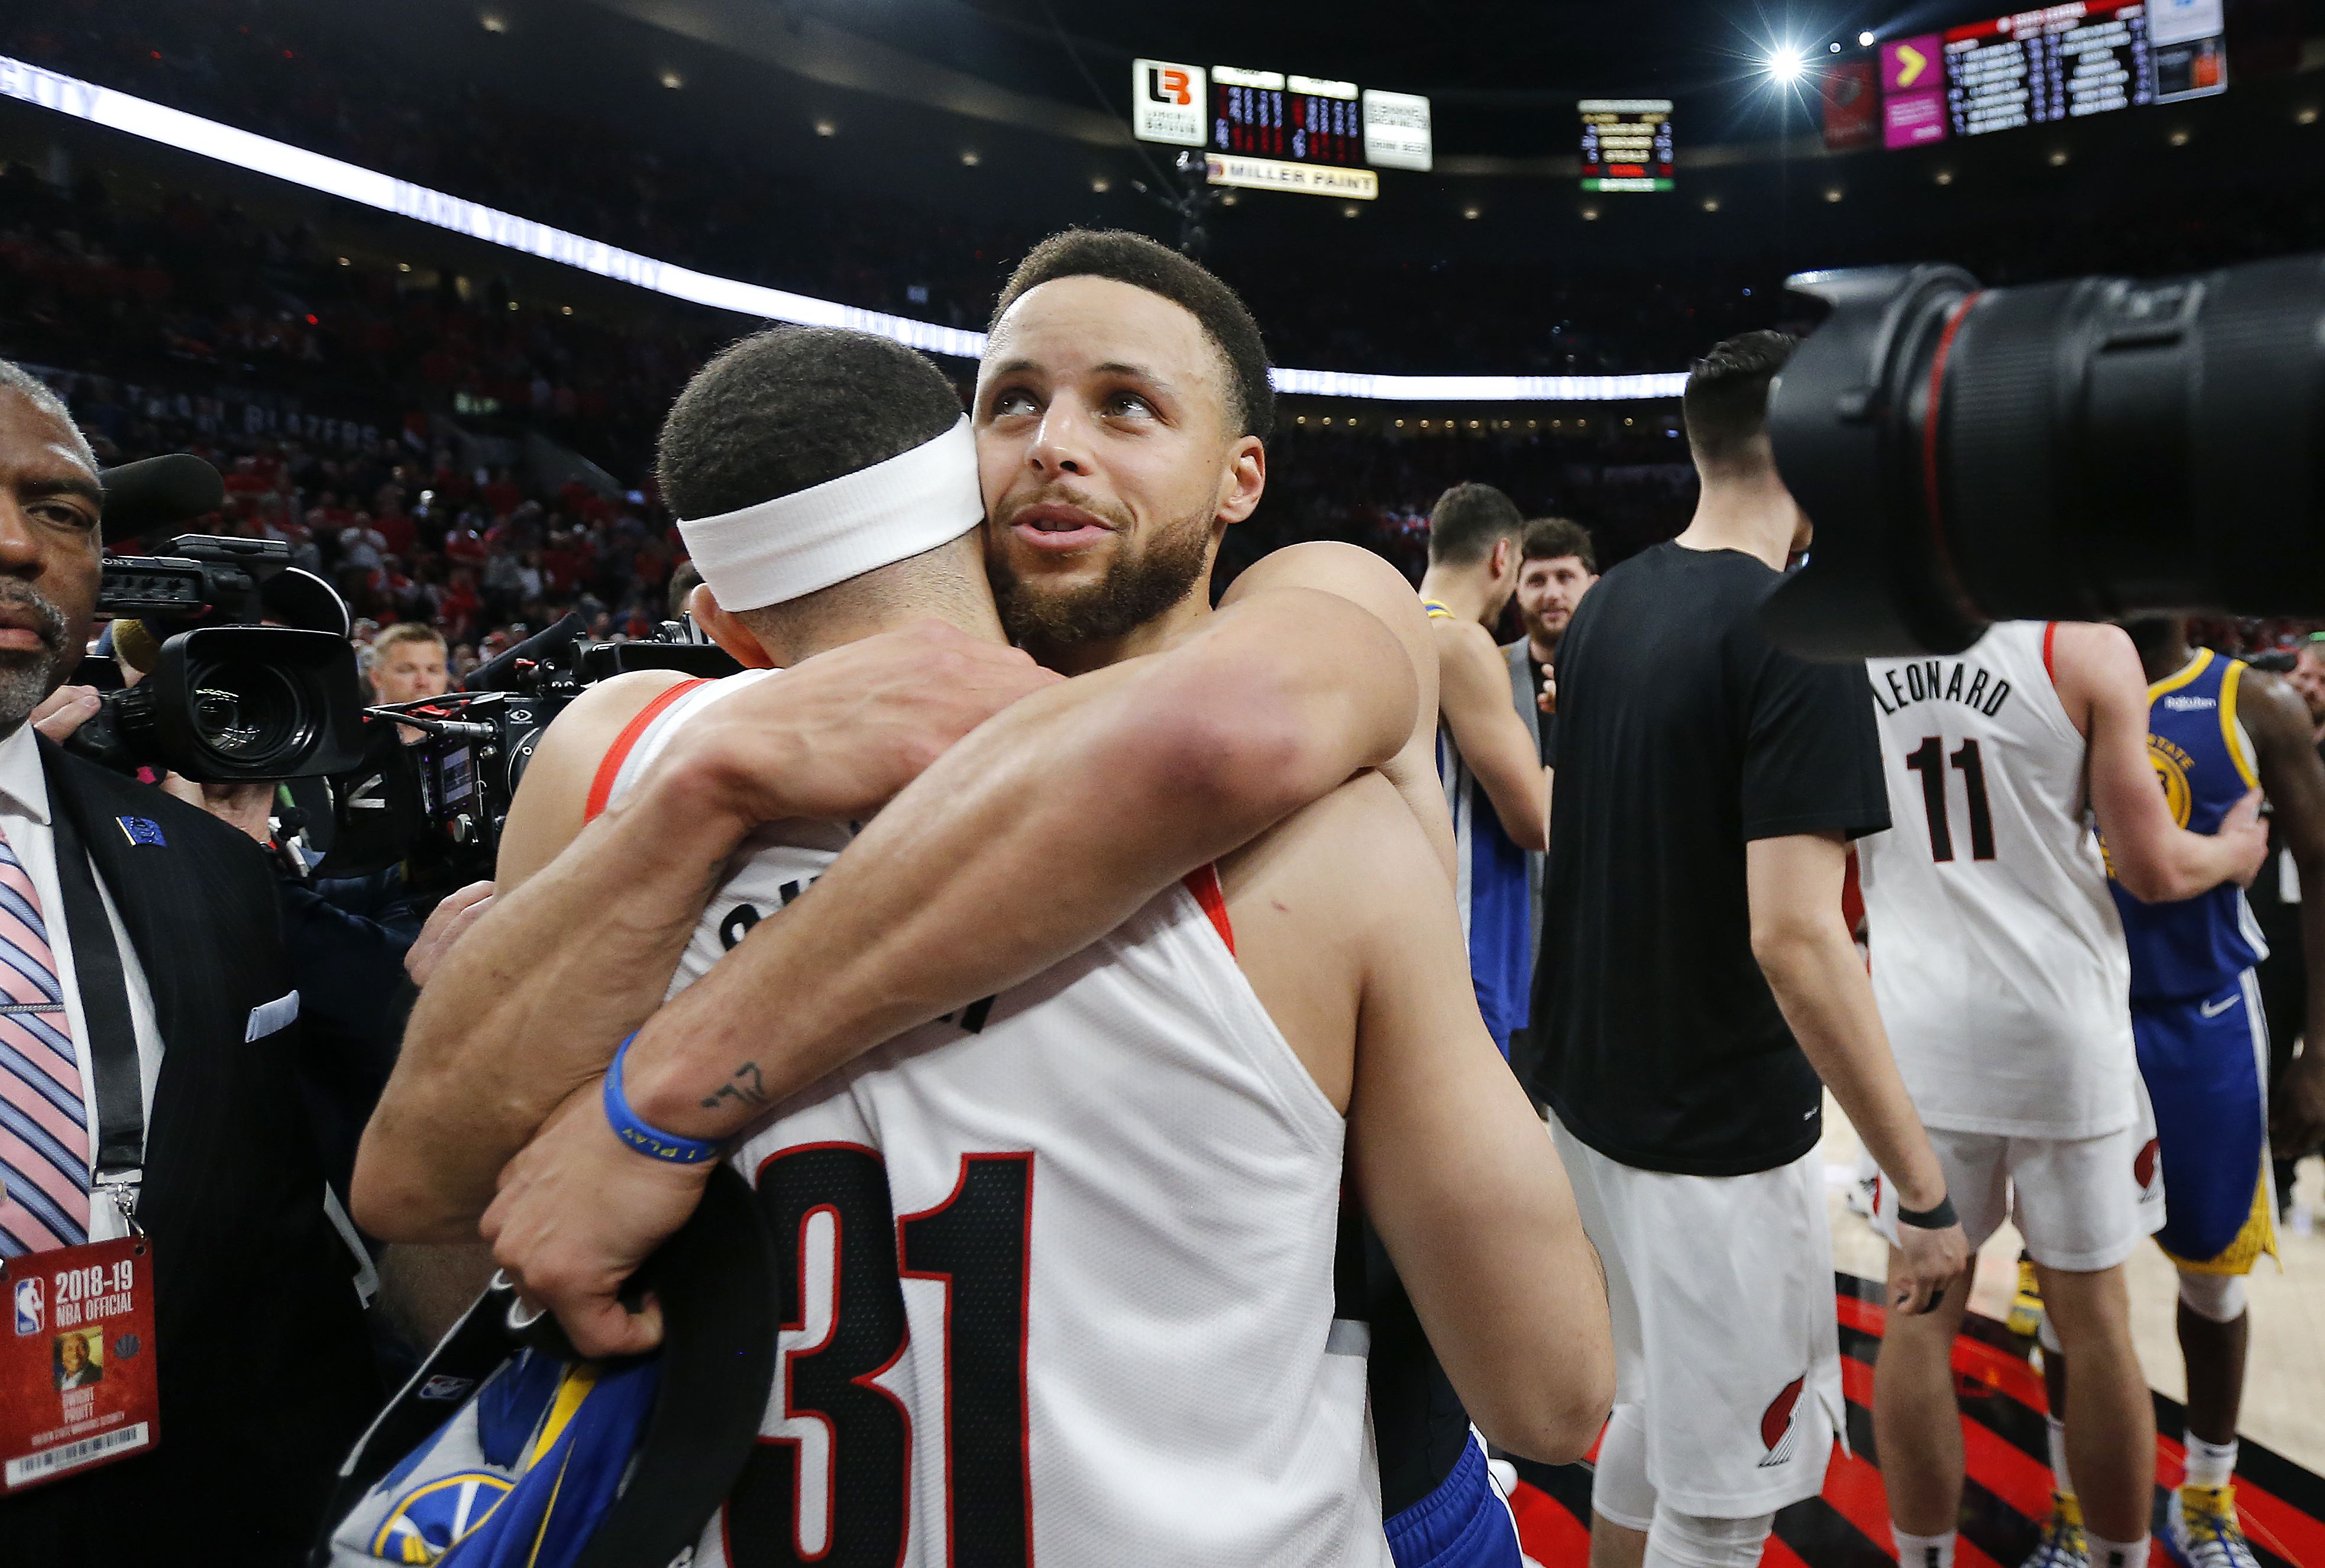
[{"x": 1999, "y": 958}]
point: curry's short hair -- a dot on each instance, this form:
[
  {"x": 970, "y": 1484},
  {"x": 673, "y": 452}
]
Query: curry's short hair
[
  {"x": 786, "y": 409},
  {"x": 1466, "y": 521},
  {"x": 1138, "y": 261},
  {"x": 1555, "y": 538},
  {"x": 1727, "y": 398}
]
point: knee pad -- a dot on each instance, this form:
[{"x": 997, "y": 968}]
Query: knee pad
[
  {"x": 1679, "y": 1540},
  {"x": 2217, "y": 1296},
  {"x": 2047, "y": 1334},
  {"x": 1620, "y": 1487}
]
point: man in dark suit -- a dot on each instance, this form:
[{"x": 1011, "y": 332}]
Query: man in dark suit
[{"x": 231, "y": 1197}]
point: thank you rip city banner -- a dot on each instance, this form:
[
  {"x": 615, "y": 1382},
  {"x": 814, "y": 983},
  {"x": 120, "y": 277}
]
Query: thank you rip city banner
[{"x": 132, "y": 115}]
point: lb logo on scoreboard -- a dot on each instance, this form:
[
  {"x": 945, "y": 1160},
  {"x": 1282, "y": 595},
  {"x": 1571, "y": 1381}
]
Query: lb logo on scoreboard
[{"x": 1168, "y": 103}]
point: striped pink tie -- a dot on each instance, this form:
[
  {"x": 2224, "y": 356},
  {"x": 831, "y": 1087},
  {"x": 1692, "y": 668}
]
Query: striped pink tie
[{"x": 43, "y": 1120}]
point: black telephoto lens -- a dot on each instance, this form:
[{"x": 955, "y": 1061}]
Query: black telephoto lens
[{"x": 2076, "y": 450}]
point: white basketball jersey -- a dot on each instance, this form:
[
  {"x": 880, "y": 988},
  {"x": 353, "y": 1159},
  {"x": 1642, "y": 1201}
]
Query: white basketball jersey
[
  {"x": 1057, "y": 1269},
  {"x": 1998, "y": 960}
]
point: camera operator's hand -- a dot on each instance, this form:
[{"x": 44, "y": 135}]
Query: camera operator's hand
[
  {"x": 247, "y": 806},
  {"x": 64, "y": 711},
  {"x": 577, "y": 1212},
  {"x": 445, "y": 925},
  {"x": 842, "y": 732}
]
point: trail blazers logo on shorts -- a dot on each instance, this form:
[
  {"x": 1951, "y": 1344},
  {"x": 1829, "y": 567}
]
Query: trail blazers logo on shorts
[{"x": 1779, "y": 1428}]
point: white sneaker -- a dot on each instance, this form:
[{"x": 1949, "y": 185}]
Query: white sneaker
[{"x": 2204, "y": 1532}]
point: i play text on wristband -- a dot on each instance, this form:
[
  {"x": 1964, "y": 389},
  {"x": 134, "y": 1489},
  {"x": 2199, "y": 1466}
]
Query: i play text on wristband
[
  {"x": 1938, "y": 1219},
  {"x": 641, "y": 1135}
]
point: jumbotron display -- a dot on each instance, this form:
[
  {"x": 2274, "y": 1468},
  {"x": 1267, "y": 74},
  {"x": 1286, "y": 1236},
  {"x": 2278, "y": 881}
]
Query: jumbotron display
[
  {"x": 2063, "y": 63},
  {"x": 1626, "y": 143},
  {"x": 1279, "y": 132}
]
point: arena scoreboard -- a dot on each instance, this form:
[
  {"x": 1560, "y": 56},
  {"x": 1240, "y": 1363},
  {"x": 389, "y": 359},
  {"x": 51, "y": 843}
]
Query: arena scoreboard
[
  {"x": 1626, "y": 143},
  {"x": 2061, "y": 62},
  {"x": 1279, "y": 132}
]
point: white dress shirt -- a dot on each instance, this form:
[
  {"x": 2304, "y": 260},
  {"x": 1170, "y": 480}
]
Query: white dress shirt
[{"x": 24, "y": 818}]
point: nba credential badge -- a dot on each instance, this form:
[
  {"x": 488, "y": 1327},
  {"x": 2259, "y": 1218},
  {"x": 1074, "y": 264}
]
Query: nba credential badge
[{"x": 77, "y": 1383}]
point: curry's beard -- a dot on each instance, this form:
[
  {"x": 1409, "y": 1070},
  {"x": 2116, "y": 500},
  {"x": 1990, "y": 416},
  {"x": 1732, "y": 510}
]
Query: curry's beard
[
  {"x": 26, "y": 679},
  {"x": 1048, "y": 620}
]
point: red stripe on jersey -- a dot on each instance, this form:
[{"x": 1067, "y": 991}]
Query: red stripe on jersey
[
  {"x": 2049, "y": 630},
  {"x": 601, "y": 788},
  {"x": 1203, "y": 882}
]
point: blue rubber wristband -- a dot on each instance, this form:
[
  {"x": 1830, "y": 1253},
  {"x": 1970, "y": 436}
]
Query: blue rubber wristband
[{"x": 641, "y": 1135}]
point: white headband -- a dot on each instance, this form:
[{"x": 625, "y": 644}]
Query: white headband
[{"x": 797, "y": 543}]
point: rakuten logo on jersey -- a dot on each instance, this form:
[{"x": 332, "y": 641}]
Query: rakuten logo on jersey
[{"x": 2190, "y": 704}]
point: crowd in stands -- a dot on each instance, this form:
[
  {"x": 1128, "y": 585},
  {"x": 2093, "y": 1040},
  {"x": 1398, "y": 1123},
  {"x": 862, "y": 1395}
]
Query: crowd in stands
[
  {"x": 408, "y": 534},
  {"x": 195, "y": 292},
  {"x": 286, "y": 71},
  {"x": 178, "y": 291},
  {"x": 426, "y": 359}
]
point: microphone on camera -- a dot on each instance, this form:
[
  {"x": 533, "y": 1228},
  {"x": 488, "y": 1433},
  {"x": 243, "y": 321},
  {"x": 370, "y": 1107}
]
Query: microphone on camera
[{"x": 157, "y": 493}]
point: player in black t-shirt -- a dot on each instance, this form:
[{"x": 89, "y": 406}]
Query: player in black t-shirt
[{"x": 1706, "y": 784}]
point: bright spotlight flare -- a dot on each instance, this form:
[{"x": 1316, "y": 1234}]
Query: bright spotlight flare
[{"x": 1786, "y": 64}]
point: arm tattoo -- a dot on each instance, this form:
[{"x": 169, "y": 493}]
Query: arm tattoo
[{"x": 744, "y": 1084}]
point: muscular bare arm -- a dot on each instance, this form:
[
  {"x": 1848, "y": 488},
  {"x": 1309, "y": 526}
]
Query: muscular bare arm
[
  {"x": 2294, "y": 779},
  {"x": 1457, "y": 1176},
  {"x": 581, "y": 943},
  {"x": 521, "y": 1009},
  {"x": 1050, "y": 824},
  {"x": 1475, "y": 696},
  {"x": 1804, "y": 947},
  {"x": 2099, "y": 682},
  {"x": 1363, "y": 577}
]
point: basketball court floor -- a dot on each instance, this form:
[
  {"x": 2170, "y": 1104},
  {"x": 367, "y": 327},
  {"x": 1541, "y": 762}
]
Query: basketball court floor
[{"x": 2278, "y": 1480}]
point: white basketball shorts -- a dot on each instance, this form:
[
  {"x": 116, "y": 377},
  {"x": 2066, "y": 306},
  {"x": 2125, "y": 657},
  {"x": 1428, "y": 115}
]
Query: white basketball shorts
[
  {"x": 1721, "y": 1291},
  {"x": 2081, "y": 1203}
]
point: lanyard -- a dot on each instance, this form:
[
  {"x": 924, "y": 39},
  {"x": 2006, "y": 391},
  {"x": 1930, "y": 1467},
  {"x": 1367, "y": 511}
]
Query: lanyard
[{"x": 104, "y": 1010}]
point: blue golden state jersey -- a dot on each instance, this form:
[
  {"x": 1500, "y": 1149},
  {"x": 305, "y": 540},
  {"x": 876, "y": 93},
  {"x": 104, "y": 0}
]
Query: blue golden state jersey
[
  {"x": 1490, "y": 881},
  {"x": 2204, "y": 761}
]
